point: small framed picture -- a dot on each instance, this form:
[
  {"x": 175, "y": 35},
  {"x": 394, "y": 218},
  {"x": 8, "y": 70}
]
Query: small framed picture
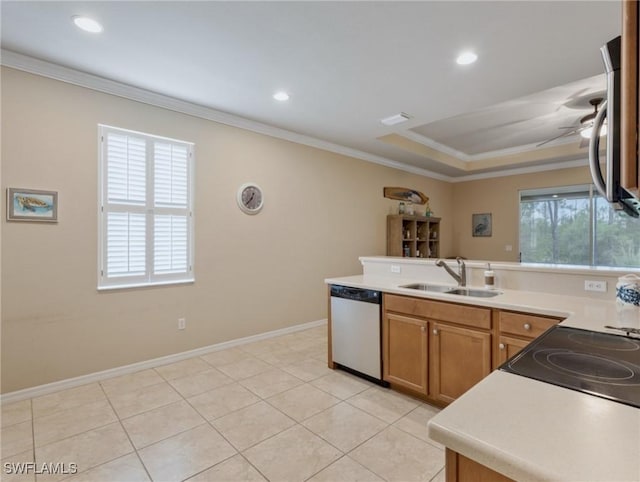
[
  {"x": 481, "y": 224},
  {"x": 32, "y": 205}
]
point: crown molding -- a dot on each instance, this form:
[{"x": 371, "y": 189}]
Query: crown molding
[
  {"x": 427, "y": 141},
  {"x": 65, "y": 74},
  {"x": 83, "y": 79},
  {"x": 510, "y": 151},
  {"x": 470, "y": 158},
  {"x": 522, "y": 170}
]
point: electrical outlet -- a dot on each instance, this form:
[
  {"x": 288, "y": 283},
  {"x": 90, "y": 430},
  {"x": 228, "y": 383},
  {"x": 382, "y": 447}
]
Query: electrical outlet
[
  {"x": 590, "y": 285},
  {"x": 395, "y": 268},
  {"x": 182, "y": 323}
]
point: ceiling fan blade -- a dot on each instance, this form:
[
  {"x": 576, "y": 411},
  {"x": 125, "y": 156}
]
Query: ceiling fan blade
[{"x": 564, "y": 134}]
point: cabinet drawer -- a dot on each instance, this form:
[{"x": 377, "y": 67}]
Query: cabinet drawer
[
  {"x": 520, "y": 324},
  {"x": 437, "y": 310}
]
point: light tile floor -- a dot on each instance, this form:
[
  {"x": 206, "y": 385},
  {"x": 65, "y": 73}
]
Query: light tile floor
[{"x": 269, "y": 410}]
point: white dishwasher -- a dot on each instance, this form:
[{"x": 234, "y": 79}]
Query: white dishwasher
[{"x": 355, "y": 331}]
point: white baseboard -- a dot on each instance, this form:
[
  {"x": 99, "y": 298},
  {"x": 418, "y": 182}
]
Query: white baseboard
[{"x": 47, "y": 388}]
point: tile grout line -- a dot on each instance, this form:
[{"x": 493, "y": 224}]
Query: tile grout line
[
  {"x": 127, "y": 434},
  {"x": 139, "y": 388},
  {"x": 210, "y": 422},
  {"x": 72, "y": 435},
  {"x": 120, "y": 419},
  {"x": 256, "y": 468},
  {"x": 343, "y": 455},
  {"x": 261, "y": 399},
  {"x": 168, "y": 380},
  {"x": 33, "y": 434},
  {"x": 437, "y": 473}
]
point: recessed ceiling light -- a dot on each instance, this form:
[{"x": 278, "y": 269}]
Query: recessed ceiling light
[
  {"x": 395, "y": 119},
  {"x": 466, "y": 58},
  {"x": 281, "y": 96},
  {"x": 87, "y": 24}
]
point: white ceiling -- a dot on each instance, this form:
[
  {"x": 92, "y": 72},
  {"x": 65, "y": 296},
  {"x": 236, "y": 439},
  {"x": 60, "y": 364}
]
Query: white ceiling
[{"x": 346, "y": 65}]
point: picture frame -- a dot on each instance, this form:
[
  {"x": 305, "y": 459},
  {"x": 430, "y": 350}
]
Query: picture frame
[
  {"x": 32, "y": 205},
  {"x": 481, "y": 225}
]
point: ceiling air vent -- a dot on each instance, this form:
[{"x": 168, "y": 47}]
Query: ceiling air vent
[{"x": 395, "y": 119}]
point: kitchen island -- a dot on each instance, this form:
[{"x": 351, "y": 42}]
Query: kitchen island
[{"x": 526, "y": 429}]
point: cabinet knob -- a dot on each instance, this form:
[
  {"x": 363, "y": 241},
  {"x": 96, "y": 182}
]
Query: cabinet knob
[
  {"x": 423, "y": 329},
  {"x": 435, "y": 331},
  {"x": 527, "y": 326},
  {"x": 501, "y": 345}
]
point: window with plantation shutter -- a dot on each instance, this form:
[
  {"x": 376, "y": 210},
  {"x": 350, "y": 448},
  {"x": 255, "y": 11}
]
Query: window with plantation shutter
[{"x": 145, "y": 202}]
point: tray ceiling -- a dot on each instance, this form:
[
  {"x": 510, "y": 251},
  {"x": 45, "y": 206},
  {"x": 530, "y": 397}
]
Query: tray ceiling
[{"x": 347, "y": 65}]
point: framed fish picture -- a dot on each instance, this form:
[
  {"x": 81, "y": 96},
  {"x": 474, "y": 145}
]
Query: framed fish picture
[{"x": 32, "y": 205}]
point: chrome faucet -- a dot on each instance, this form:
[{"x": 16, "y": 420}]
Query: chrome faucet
[{"x": 461, "y": 276}]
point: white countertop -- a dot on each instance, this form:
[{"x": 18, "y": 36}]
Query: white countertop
[
  {"x": 526, "y": 429},
  {"x": 580, "y": 312},
  {"x": 533, "y": 431}
]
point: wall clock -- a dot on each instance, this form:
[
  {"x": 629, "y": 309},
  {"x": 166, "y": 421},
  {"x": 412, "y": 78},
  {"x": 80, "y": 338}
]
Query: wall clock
[{"x": 250, "y": 198}]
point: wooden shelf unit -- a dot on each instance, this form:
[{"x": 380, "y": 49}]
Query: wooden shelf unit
[{"x": 413, "y": 236}]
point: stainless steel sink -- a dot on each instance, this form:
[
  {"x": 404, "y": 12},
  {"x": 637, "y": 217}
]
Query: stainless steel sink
[
  {"x": 452, "y": 291},
  {"x": 426, "y": 287},
  {"x": 473, "y": 292}
]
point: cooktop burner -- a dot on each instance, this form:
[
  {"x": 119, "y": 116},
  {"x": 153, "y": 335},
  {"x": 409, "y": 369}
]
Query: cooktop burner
[{"x": 600, "y": 364}]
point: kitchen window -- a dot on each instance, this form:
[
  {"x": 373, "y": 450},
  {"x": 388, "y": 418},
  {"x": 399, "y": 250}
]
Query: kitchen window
[
  {"x": 145, "y": 209},
  {"x": 573, "y": 225}
]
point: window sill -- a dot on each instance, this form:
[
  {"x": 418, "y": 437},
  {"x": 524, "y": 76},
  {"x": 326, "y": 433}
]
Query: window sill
[{"x": 146, "y": 285}]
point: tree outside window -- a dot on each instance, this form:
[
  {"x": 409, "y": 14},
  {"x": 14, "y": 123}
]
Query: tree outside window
[{"x": 574, "y": 226}]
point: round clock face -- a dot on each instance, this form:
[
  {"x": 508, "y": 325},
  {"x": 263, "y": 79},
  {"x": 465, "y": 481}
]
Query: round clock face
[{"x": 250, "y": 198}]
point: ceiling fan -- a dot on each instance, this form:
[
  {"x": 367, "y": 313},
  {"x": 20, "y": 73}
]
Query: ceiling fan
[{"x": 585, "y": 126}]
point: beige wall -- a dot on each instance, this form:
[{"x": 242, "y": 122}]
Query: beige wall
[
  {"x": 253, "y": 273},
  {"x": 499, "y": 196}
]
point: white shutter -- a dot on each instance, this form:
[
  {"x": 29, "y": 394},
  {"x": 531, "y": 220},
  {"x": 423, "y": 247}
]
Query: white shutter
[
  {"x": 146, "y": 201},
  {"x": 170, "y": 180},
  {"x": 171, "y": 214},
  {"x": 126, "y": 244},
  {"x": 170, "y": 244},
  {"x": 126, "y": 169}
]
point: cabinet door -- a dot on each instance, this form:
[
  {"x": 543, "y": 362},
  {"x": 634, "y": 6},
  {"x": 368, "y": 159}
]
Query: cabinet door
[
  {"x": 508, "y": 347},
  {"x": 462, "y": 469},
  {"x": 630, "y": 100},
  {"x": 459, "y": 358},
  {"x": 405, "y": 351}
]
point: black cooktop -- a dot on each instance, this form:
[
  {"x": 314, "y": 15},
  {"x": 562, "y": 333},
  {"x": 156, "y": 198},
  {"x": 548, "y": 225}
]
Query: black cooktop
[{"x": 599, "y": 364}]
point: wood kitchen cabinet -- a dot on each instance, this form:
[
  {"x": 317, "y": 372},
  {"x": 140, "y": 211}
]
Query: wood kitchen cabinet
[
  {"x": 508, "y": 347},
  {"x": 405, "y": 351},
  {"x": 630, "y": 97},
  {"x": 515, "y": 331},
  {"x": 413, "y": 236},
  {"x": 435, "y": 349},
  {"x": 458, "y": 359},
  {"x": 462, "y": 469}
]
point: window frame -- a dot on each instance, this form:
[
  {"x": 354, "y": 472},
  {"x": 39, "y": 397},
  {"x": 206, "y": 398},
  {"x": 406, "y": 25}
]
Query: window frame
[
  {"x": 149, "y": 210},
  {"x": 593, "y": 198}
]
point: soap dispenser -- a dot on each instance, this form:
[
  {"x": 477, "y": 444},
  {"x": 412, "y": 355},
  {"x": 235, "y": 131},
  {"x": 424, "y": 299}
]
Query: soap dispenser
[{"x": 489, "y": 278}]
